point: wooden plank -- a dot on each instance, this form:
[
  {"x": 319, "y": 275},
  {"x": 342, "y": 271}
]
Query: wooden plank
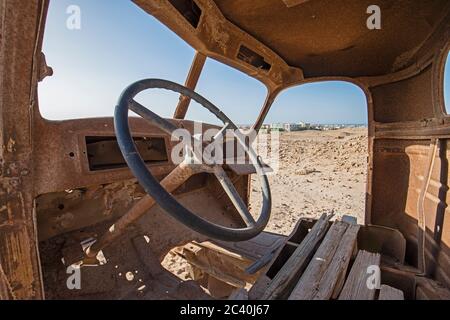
[
  {"x": 201, "y": 258},
  {"x": 5, "y": 288},
  {"x": 334, "y": 277},
  {"x": 355, "y": 287},
  {"x": 259, "y": 288},
  {"x": 390, "y": 293},
  {"x": 286, "y": 278},
  {"x": 239, "y": 294},
  {"x": 191, "y": 82},
  {"x": 309, "y": 283}
]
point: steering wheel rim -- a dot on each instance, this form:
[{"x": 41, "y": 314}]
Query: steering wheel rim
[{"x": 152, "y": 186}]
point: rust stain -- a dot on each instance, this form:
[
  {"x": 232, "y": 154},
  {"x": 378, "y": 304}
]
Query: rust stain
[{"x": 10, "y": 147}]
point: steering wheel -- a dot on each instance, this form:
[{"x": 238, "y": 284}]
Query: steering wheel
[{"x": 159, "y": 191}]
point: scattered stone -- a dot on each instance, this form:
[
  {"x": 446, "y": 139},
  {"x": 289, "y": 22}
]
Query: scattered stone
[{"x": 305, "y": 171}]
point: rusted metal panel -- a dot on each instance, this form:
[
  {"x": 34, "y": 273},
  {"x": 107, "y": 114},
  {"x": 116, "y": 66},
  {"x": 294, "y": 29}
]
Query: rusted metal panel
[
  {"x": 315, "y": 37},
  {"x": 293, "y": 3},
  {"x": 19, "y": 61},
  {"x": 404, "y": 100},
  {"x": 171, "y": 182},
  {"x": 218, "y": 38},
  {"x": 405, "y": 164},
  {"x": 191, "y": 83},
  {"x": 65, "y": 163},
  {"x": 5, "y": 287}
]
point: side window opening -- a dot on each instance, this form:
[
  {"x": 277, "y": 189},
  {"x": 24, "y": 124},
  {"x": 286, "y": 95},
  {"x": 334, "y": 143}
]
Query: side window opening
[
  {"x": 323, "y": 153},
  {"x": 92, "y": 67},
  {"x": 238, "y": 95}
]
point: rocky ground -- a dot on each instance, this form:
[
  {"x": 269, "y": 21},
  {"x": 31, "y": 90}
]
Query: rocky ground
[{"x": 319, "y": 171}]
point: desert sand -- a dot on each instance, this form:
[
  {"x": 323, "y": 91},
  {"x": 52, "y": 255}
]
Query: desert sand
[{"x": 319, "y": 171}]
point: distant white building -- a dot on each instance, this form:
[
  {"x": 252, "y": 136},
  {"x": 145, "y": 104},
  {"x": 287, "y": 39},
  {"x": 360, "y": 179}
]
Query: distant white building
[
  {"x": 304, "y": 125},
  {"x": 277, "y": 126},
  {"x": 289, "y": 126}
]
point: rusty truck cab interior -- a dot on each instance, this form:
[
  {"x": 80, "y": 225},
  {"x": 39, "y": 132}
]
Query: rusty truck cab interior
[{"x": 106, "y": 196}]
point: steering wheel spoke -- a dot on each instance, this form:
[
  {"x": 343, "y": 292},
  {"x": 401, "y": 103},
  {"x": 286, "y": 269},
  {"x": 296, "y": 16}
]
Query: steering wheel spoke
[
  {"x": 234, "y": 196},
  {"x": 152, "y": 117}
]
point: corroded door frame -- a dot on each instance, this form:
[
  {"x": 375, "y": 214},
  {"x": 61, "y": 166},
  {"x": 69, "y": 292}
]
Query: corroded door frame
[{"x": 20, "y": 50}]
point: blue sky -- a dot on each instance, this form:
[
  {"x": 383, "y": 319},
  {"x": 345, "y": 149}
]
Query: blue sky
[{"x": 118, "y": 44}]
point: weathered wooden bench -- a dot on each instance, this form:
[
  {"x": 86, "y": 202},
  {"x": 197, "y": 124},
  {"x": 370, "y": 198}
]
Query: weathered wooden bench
[
  {"x": 320, "y": 260},
  {"x": 325, "y": 264}
]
